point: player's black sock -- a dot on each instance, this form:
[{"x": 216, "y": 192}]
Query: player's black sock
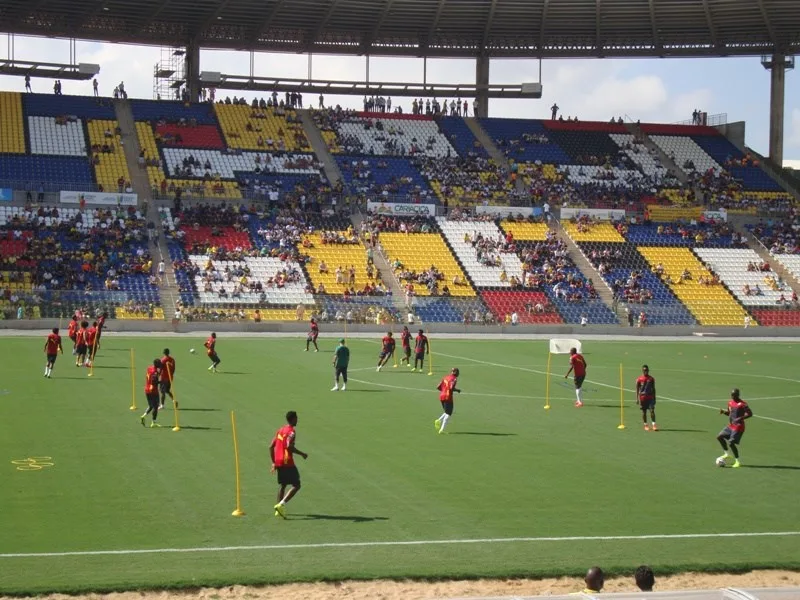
[
  {"x": 735, "y": 451},
  {"x": 307, "y": 345},
  {"x": 155, "y": 414},
  {"x": 315, "y": 346},
  {"x": 723, "y": 444}
]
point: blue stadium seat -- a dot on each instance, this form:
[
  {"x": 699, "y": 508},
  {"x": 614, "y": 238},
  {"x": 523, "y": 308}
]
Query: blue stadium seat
[
  {"x": 55, "y": 172},
  {"x": 506, "y": 130},
  {"x": 83, "y": 107},
  {"x": 461, "y": 137},
  {"x": 172, "y": 111}
]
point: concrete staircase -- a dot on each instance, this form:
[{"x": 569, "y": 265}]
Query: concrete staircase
[
  {"x": 130, "y": 142},
  {"x": 603, "y": 289},
  {"x": 319, "y": 146},
  {"x": 764, "y": 254},
  {"x": 494, "y": 152},
  {"x": 666, "y": 160},
  {"x": 381, "y": 264}
]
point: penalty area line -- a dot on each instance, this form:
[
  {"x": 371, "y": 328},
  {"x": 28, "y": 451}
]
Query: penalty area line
[{"x": 399, "y": 543}]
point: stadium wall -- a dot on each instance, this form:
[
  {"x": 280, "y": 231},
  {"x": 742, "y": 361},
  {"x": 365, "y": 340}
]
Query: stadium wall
[{"x": 734, "y": 132}]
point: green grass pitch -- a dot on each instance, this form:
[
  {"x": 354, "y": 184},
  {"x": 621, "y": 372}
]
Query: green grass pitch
[{"x": 378, "y": 474}]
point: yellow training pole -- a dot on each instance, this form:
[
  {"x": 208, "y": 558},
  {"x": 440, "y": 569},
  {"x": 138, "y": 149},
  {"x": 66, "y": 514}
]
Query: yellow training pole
[
  {"x": 133, "y": 380},
  {"x": 394, "y": 352},
  {"x": 177, "y": 426},
  {"x": 238, "y": 512},
  {"x": 94, "y": 351},
  {"x": 621, "y": 399},
  {"x": 547, "y": 383},
  {"x": 430, "y": 358}
]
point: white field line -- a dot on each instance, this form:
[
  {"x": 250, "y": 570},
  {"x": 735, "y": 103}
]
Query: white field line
[
  {"x": 432, "y": 389},
  {"x": 377, "y": 544},
  {"x": 606, "y": 385}
]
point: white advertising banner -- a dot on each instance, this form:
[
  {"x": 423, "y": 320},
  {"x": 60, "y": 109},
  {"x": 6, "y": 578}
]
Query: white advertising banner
[
  {"x": 602, "y": 214},
  {"x": 506, "y": 211},
  {"x": 99, "y": 198},
  {"x": 716, "y": 215},
  {"x": 401, "y": 209}
]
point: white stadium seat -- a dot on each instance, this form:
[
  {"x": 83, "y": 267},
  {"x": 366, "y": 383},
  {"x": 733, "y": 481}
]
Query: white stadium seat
[
  {"x": 227, "y": 164},
  {"x": 684, "y": 148},
  {"x": 731, "y": 266},
  {"x": 49, "y": 138}
]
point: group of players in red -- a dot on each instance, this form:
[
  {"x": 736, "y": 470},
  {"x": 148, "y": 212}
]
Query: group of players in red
[
  {"x": 85, "y": 342},
  {"x": 157, "y": 386},
  {"x": 737, "y": 409},
  {"x": 421, "y": 349}
]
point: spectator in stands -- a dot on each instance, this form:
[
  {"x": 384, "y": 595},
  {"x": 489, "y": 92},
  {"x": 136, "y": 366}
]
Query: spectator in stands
[
  {"x": 594, "y": 580},
  {"x": 645, "y": 578}
]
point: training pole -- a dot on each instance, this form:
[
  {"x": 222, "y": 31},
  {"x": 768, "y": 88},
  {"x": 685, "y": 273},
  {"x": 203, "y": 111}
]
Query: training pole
[
  {"x": 133, "y": 380},
  {"x": 177, "y": 426},
  {"x": 430, "y": 357},
  {"x": 94, "y": 352},
  {"x": 238, "y": 512},
  {"x": 621, "y": 399},
  {"x": 345, "y": 329},
  {"x": 547, "y": 383},
  {"x": 394, "y": 353}
]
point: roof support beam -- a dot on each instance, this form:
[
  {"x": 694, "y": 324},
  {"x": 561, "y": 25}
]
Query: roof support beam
[
  {"x": 710, "y": 22},
  {"x": 149, "y": 18},
  {"x": 543, "y": 25},
  {"x": 435, "y": 23},
  {"x": 322, "y": 24},
  {"x": 211, "y": 18},
  {"x": 654, "y": 24},
  {"x": 489, "y": 21},
  {"x": 767, "y": 21},
  {"x": 598, "y": 41},
  {"x": 259, "y": 29},
  {"x": 370, "y": 38}
]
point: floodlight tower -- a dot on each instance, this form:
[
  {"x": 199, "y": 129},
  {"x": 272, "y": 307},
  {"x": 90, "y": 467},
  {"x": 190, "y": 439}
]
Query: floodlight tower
[{"x": 777, "y": 64}]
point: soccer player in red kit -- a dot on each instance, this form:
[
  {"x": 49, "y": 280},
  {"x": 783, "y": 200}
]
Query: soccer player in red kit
[
  {"x": 166, "y": 377},
  {"x": 387, "y": 350},
  {"x": 72, "y": 332},
  {"x": 646, "y": 397},
  {"x": 151, "y": 391},
  {"x": 91, "y": 343},
  {"x": 81, "y": 346},
  {"x": 446, "y": 388},
  {"x": 313, "y": 334},
  {"x": 405, "y": 339},
  {"x": 420, "y": 350},
  {"x": 737, "y": 411},
  {"x": 282, "y": 451},
  {"x": 101, "y": 323},
  {"x": 211, "y": 350},
  {"x": 578, "y": 365},
  {"x": 52, "y": 347}
]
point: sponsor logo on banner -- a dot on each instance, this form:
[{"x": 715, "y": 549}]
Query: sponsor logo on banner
[
  {"x": 99, "y": 198},
  {"x": 399, "y": 209},
  {"x": 6, "y": 195},
  {"x": 596, "y": 213},
  {"x": 716, "y": 215},
  {"x": 506, "y": 211}
]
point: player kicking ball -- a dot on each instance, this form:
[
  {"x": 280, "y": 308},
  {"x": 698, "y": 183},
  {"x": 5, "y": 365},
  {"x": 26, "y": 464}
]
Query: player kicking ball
[
  {"x": 387, "y": 350},
  {"x": 730, "y": 437},
  {"x": 446, "y": 388}
]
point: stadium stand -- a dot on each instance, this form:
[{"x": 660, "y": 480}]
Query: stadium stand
[
  {"x": 524, "y": 140},
  {"x": 81, "y": 107},
  {"x": 262, "y": 129},
  {"x": 531, "y": 307},
  {"x": 385, "y": 178},
  {"x": 108, "y": 155},
  {"x": 461, "y": 137},
  {"x": 59, "y": 137},
  {"x": 467, "y": 181},
  {"x": 12, "y": 127}
]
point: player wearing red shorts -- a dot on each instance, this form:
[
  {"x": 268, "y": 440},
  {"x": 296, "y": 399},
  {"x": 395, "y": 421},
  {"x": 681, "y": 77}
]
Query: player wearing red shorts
[
  {"x": 446, "y": 388},
  {"x": 738, "y": 411},
  {"x": 578, "y": 365},
  {"x": 313, "y": 334},
  {"x": 211, "y": 350},
  {"x": 646, "y": 397},
  {"x": 52, "y": 347},
  {"x": 387, "y": 350}
]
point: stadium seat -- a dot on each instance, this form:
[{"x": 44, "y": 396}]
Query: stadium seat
[
  {"x": 200, "y": 136},
  {"x": 461, "y": 137},
  {"x": 12, "y": 127},
  {"x": 334, "y": 256},
  {"x": 526, "y": 231},
  {"x": 147, "y": 142},
  {"x": 112, "y": 165},
  {"x": 597, "y": 232},
  {"x": 731, "y": 266},
  {"x": 228, "y": 237},
  {"x": 525, "y": 304},
  {"x": 684, "y": 148},
  {"x": 509, "y": 136},
  {"x": 242, "y": 129},
  {"x": 390, "y": 135}
]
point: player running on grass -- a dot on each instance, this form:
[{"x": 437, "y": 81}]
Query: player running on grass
[
  {"x": 282, "y": 451},
  {"x": 313, "y": 334},
  {"x": 646, "y": 397},
  {"x": 387, "y": 350},
  {"x": 165, "y": 378},
  {"x": 52, "y": 347},
  {"x": 211, "y": 350},
  {"x": 421, "y": 348},
  {"x": 446, "y": 388},
  {"x": 151, "y": 391},
  {"x": 405, "y": 338},
  {"x": 578, "y": 365},
  {"x": 738, "y": 411}
]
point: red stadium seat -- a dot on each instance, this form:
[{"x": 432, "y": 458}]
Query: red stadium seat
[
  {"x": 502, "y": 303},
  {"x": 777, "y": 317},
  {"x": 230, "y": 239}
]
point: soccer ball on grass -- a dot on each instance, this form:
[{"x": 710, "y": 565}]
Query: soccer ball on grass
[
  {"x": 720, "y": 462},
  {"x": 191, "y": 350}
]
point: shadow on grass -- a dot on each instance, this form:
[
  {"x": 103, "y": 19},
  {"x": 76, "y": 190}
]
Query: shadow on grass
[
  {"x": 486, "y": 433},
  {"x": 78, "y": 378},
  {"x": 110, "y": 367},
  {"x": 232, "y": 373},
  {"x": 365, "y": 391},
  {"x": 779, "y": 467},
  {"x": 199, "y": 409},
  {"x": 196, "y": 428},
  {"x": 668, "y": 430},
  {"x": 351, "y": 518}
]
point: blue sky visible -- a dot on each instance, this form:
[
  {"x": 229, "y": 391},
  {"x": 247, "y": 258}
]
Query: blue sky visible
[{"x": 652, "y": 90}]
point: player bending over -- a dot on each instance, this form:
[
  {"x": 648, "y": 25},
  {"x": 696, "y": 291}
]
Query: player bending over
[
  {"x": 446, "y": 388},
  {"x": 387, "y": 350},
  {"x": 405, "y": 338},
  {"x": 578, "y": 364},
  {"x": 282, "y": 451},
  {"x": 151, "y": 391},
  {"x": 313, "y": 334},
  {"x": 646, "y": 397},
  {"x": 421, "y": 348},
  {"x": 731, "y": 436},
  {"x": 166, "y": 377},
  {"x": 211, "y": 350},
  {"x": 52, "y": 347}
]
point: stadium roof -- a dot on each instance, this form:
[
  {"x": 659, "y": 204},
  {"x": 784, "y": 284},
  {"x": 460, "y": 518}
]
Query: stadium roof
[{"x": 433, "y": 28}]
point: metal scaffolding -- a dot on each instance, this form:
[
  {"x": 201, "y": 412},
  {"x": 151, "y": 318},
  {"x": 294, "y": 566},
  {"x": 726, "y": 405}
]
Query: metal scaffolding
[{"x": 169, "y": 73}]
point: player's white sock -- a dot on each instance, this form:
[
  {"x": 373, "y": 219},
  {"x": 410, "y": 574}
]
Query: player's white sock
[
  {"x": 579, "y": 395},
  {"x": 444, "y": 419},
  {"x": 344, "y": 386}
]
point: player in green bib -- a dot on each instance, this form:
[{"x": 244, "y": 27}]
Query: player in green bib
[{"x": 341, "y": 358}]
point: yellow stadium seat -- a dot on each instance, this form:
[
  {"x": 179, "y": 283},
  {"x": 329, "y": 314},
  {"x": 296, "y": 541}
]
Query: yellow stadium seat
[
  {"x": 112, "y": 165},
  {"x": 418, "y": 251},
  {"x": 524, "y": 231},
  {"x": 710, "y": 304},
  {"x": 230, "y": 189},
  {"x": 12, "y": 127},
  {"x": 278, "y": 314},
  {"x": 598, "y": 232},
  {"x": 126, "y": 315},
  {"x": 336, "y": 255},
  {"x": 234, "y": 118},
  {"x": 147, "y": 142},
  {"x": 669, "y": 214}
]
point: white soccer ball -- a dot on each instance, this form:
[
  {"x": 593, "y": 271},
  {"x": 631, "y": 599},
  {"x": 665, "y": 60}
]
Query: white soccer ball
[
  {"x": 720, "y": 462},
  {"x": 191, "y": 350}
]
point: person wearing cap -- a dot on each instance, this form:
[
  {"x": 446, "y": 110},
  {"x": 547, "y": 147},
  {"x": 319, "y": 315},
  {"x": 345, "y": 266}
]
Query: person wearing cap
[
  {"x": 151, "y": 391},
  {"x": 341, "y": 358},
  {"x": 446, "y": 388}
]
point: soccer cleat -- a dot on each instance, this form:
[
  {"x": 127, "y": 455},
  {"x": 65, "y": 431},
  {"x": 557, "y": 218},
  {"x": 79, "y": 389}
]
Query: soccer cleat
[
  {"x": 437, "y": 424},
  {"x": 578, "y": 404},
  {"x": 655, "y": 427},
  {"x": 280, "y": 511},
  {"x": 344, "y": 386},
  {"x": 646, "y": 427},
  {"x": 413, "y": 369},
  {"x": 736, "y": 464},
  {"x": 142, "y": 419},
  {"x": 211, "y": 367},
  {"x": 316, "y": 350},
  {"x": 306, "y": 350},
  {"x": 378, "y": 369},
  {"x": 160, "y": 407},
  {"x": 154, "y": 424},
  {"x": 335, "y": 388}
]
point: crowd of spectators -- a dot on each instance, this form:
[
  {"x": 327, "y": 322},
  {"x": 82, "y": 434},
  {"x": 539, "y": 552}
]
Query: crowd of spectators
[
  {"x": 470, "y": 180},
  {"x": 781, "y": 237}
]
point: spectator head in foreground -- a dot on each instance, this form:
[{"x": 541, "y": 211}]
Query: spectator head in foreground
[
  {"x": 594, "y": 579},
  {"x": 645, "y": 579}
]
